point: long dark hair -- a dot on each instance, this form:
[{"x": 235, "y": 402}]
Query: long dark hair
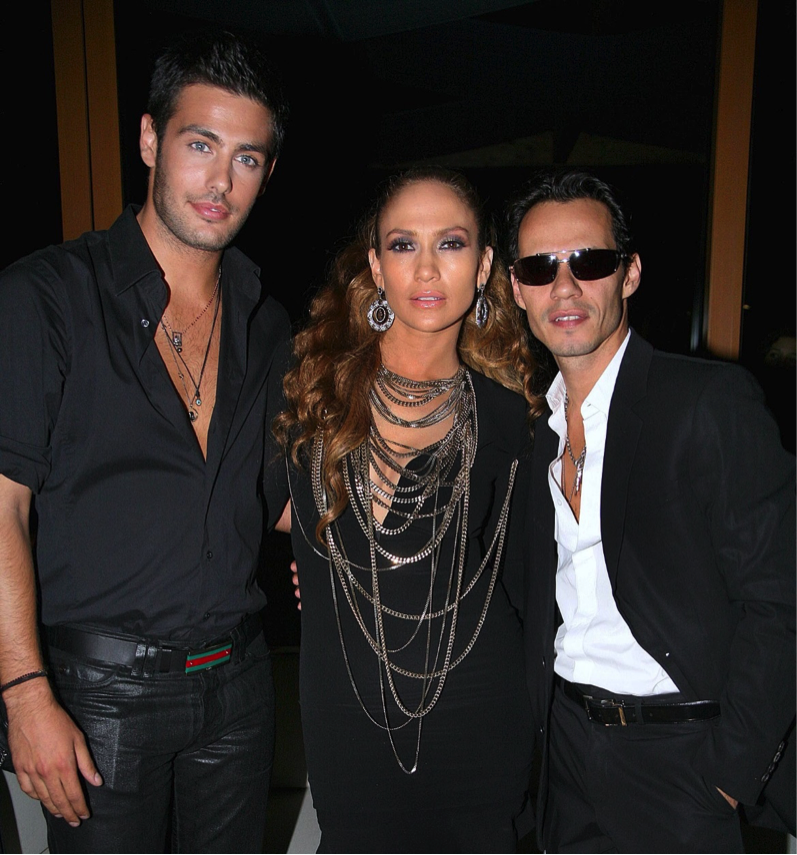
[{"x": 338, "y": 353}]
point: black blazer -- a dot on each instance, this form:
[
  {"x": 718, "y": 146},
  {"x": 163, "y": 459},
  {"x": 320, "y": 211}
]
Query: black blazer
[{"x": 697, "y": 520}]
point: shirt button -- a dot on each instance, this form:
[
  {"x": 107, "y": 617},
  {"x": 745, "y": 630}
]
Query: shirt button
[
  {"x": 209, "y": 554},
  {"x": 144, "y": 323},
  {"x": 206, "y": 616}
]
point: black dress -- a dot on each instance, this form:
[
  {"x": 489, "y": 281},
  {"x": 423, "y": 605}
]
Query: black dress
[{"x": 468, "y": 792}]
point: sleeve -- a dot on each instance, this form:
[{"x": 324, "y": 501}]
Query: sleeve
[
  {"x": 275, "y": 479},
  {"x": 747, "y": 481},
  {"x": 33, "y": 367}
]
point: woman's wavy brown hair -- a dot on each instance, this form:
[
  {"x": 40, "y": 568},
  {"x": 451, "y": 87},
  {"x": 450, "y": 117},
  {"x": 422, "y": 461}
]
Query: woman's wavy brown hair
[{"x": 337, "y": 355}]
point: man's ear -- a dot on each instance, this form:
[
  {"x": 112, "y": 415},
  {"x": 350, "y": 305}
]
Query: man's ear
[
  {"x": 518, "y": 294},
  {"x": 267, "y": 176},
  {"x": 633, "y": 276},
  {"x": 148, "y": 140}
]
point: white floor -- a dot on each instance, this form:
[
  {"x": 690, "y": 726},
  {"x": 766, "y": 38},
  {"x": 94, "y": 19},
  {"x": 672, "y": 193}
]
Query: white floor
[{"x": 291, "y": 822}]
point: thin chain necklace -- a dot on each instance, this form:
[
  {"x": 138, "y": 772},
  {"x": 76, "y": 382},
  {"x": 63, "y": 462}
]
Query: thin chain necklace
[
  {"x": 176, "y": 337},
  {"x": 578, "y": 462},
  {"x": 436, "y": 489},
  {"x": 194, "y": 398}
]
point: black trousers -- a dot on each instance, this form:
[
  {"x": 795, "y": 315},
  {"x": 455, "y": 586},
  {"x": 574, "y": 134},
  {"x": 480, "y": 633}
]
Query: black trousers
[
  {"x": 190, "y": 752},
  {"x": 631, "y": 789}
]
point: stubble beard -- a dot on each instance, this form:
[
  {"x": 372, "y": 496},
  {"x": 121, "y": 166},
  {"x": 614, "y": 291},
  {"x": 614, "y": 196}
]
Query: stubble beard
[
  {"x": 168, "y": 210},
  {"x": 585, "y": 347}
]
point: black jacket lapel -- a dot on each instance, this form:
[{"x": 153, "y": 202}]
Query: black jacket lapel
[{"x": 622, "y": 436}]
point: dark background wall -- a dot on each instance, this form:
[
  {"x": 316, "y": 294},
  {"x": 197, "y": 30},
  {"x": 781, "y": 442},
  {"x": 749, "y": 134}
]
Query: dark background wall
[
  {"x": 494, "y": 94},
  {"x": 494, "y": 88}
]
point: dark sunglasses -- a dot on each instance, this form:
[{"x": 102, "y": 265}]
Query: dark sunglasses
[{"x": 584, "y": 264}]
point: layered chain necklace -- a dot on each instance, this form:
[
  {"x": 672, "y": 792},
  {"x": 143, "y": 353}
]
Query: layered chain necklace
[
  {"x": 436, "y": 490},
  {"x": 578, "y": 462},
  {"x": 175, "y": 337},
  {"x": 193, "y": 397}
]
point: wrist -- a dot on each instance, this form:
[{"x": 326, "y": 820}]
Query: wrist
[
  {"x": 23, "y": 678},
  {"x": 30, "y": 692}
]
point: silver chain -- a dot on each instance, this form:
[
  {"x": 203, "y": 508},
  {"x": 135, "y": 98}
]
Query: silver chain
[{"x": 444, "y": 481}]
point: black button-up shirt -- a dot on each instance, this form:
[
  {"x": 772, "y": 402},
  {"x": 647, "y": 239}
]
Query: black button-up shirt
[{"x": 137, "y": 532}]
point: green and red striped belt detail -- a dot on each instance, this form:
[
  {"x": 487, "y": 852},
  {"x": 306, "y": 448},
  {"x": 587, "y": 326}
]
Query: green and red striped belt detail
[{"x": 201, "y": 659}]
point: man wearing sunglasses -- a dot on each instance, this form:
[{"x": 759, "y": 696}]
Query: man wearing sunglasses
[{"x": 655, "y": 526}]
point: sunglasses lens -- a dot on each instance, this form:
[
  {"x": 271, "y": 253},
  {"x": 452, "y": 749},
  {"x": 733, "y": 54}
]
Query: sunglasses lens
[
  {"x": 592, "y": 264},
  {"x": 535, "y": 269},
  {"x": 585, "y": 264}
]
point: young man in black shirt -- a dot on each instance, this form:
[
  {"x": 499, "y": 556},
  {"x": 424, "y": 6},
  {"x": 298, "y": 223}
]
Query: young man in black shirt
[{"x": 140, "y": 369}]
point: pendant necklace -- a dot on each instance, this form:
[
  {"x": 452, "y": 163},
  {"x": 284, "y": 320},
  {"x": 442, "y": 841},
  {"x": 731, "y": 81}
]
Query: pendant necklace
[
  {"x": 578, "y": 462},
  {"x": 174, "y": 335},
  {"x": 195, "y": 399}
]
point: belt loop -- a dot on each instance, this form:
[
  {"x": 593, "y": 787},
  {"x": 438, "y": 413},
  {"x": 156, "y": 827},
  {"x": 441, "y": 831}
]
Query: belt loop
[
  {"x": 164, "y": 663},
  {"x": 140, "y": 660},
  {"x": 640, "y": 719},
  {"x": 153, "y": 654},
  {"x": 240, "y": 639}
]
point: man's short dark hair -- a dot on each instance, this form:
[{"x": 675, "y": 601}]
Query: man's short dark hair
[
  {"x": 567, "y": 186},
  {"x": 217, "y": 59}
]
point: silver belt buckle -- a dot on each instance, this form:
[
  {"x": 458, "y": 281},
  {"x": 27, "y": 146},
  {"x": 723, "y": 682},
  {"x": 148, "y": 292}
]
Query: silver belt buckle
[{"x": 606, "y": 704}]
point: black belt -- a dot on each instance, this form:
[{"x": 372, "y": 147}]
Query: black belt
[
  {"x": 152, "y": 655},
  {"x": 625, "y": 711}
]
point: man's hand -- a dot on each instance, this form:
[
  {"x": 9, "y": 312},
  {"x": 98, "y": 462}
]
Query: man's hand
[
  {"x": 295, "y": 577},
  {"x": 48, "y": 749},
  {"x": 732, "y": 802}
]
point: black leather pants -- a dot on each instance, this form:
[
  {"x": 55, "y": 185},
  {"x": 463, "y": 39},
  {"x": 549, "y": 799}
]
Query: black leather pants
[{"x": 185, "y": 759}]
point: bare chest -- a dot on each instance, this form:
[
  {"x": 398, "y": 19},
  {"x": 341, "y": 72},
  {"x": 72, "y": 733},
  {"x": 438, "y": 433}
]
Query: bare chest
[{"x": 192, "y": 360}]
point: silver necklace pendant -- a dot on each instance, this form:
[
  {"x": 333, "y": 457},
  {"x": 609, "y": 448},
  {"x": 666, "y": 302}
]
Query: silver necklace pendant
[
  {"x": 578, "y": 462},
  {"x": 193, "y": 415},
  {"x": 177, "y": 338}
]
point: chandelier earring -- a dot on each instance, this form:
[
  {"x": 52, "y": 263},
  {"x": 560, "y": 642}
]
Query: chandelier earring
[
  {"x": 481, "y": 306},
  {"x": 380, "y": 315}
]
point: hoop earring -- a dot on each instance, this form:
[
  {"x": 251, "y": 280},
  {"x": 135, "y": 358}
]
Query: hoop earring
[
  {"x": 380, "y": 315},
  {"x": 481, "y": 307}
]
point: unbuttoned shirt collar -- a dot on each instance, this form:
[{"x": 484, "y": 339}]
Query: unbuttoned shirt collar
[
  {"x": 600, "y": 396},
  {"x": 133, "y": 260},
  {"x": 594, "y": 645}
]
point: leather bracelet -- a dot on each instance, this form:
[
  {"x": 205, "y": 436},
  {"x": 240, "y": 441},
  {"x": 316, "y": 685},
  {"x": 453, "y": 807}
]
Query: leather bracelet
[{"x": 31, "y": 675}]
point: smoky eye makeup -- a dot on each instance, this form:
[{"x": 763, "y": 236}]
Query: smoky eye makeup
[
  {"x": 400, "y": 244},
  {"x": 454, "y": 242}
]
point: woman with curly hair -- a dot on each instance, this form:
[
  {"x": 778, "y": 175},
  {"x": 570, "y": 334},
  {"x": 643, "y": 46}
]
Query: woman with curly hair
[{"x": 407, "y": 410}]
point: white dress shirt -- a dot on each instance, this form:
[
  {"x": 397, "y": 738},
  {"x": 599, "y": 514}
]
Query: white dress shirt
[{"x": 594, "y": 644}]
